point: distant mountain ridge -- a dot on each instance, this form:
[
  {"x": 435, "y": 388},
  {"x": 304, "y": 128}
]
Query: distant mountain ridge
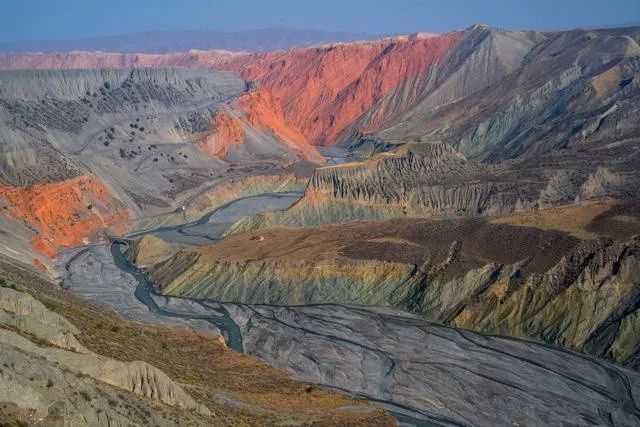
[{"x": 262, "y": 40}]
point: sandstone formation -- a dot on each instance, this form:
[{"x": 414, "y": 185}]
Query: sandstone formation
[
  {"x": 63, "y": 213},
  {"x": 245, "y": 126},
  {"x": 500, "y": 279},
  {"x": 340, "y": 82},
  {"x": 89, "y": 149},
  {"x": 21, "y": 313},
  {"x": 494, "y": 84},
  {"x": 431, "y": 180}
]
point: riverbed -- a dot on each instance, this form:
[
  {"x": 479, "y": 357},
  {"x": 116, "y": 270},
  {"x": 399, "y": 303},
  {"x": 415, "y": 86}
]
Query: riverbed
[
  {"x": 102, "y": 273},
  {"x": 423, "y": 373}
]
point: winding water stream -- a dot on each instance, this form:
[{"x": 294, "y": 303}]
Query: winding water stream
[
  {"x": 104, "y": 274},
  {"x": 397, "y": 360},
  {"x": 422, "y": 373},
  {"x": 144, "y": 292},
  {"x": 203, "y": 231},
  {"x": 209, "y": 228}
]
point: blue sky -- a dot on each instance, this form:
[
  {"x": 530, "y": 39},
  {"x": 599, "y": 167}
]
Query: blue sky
[{"x": 54, "y": 19}]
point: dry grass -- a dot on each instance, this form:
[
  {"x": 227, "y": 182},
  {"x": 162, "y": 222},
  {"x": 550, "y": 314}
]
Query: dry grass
[
  {"x": 616, "y": 219},
  {"x": 200, "y": 363},
  {"x": 572, "y": 219},
  {"x": 406, "y": 241}
]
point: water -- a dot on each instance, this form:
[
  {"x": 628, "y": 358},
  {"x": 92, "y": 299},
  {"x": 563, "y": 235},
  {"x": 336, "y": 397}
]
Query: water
[
  {"x": 203, "y": 231},
  {"x": 145, "y": 291}
]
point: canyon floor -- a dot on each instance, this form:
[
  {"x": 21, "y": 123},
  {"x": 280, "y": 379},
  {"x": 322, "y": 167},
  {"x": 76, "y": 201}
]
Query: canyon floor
[{"x": 417, "y": 230}]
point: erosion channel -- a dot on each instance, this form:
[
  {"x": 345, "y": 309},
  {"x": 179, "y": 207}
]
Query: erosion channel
[{"x": 422, "y": 372}]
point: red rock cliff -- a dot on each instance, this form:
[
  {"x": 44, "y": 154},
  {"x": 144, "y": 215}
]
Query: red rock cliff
[
  {"x": 324, "y": 90},
  {"x": 62, "y": 213},
  {"x": 259, "y": 111},
  {"x": 320, "y": 91}
]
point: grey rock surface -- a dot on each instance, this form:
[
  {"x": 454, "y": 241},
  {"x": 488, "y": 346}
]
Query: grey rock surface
[
  {"x": 435, "y": 373},
  {"x": 25, "y": 324},
  {"x": 92, "y": 274}
]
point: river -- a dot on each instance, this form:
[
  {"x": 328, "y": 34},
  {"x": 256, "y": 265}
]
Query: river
[
  {"x": 103, "y": 274},
  {"x": 421, "y": 372}
]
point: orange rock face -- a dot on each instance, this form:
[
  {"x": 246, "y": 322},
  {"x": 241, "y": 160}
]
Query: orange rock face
[
  {"x": 263, "y": 113},
  {"x": 320, "y": 91},
  {"x": 259, "y": 111},
  {"x": 324, "y": 90},
  {"x": 228, "y": 131},
  {"x": 62, "y": 213}
]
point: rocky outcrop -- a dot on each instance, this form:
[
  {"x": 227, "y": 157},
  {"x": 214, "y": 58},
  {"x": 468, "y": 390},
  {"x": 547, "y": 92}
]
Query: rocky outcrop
[
  {"x": 436, "y": 374},
  {"x": 228, "y": 132},
  {"x": 324, "y": 90},
  {"x": 364, "y": 283},
  {"x": 433, "y": 180},
  {"x": 434, "y": 177},
  {"x": 558, "y": 90},
  {"x": 517, "y": 281},
  {"x": 416, "y": 180},
  {"x": 33, "y": 388},
  {"x": 588, "y": 302},
  {"x": 64, "y": 214},
  {"x": 21, "y": 312},
  {"x": 246, "y": 131},
  {"x": 136, "y": 377}
]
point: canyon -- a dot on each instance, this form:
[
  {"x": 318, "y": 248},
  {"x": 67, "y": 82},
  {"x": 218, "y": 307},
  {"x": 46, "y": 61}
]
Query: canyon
[{"x": 431, "y": 229}]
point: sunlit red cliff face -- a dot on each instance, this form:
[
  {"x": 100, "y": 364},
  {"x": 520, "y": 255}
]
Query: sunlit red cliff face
[
  {"x": 62, "y": 213},
  {"x": 304, "y": 97},
  {"x": 324, "y": 90},
  {"x": 259, "y": 111},
  {"x": 228, "y": 132},
  {"x": 320, "y": 91},
  {"x": 265, "y": 114}
]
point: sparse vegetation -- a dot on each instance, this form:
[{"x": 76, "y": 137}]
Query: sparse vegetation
[
  {"x": 7, "y": 284},
  {"x": 187, "y": 357}
]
